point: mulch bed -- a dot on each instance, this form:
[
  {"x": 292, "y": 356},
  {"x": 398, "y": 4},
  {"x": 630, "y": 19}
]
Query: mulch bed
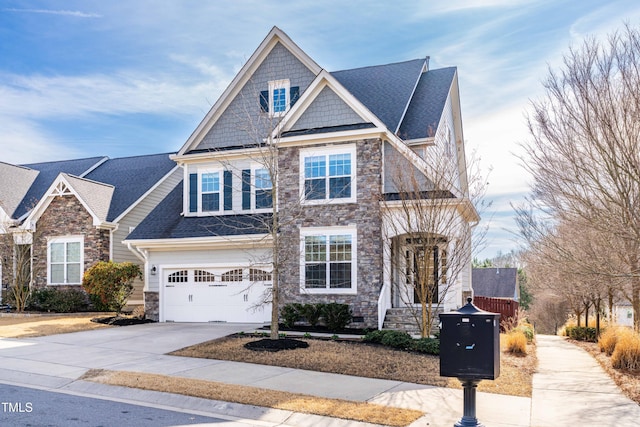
[
  {"x": 275, "y": 345},
  {"x": 120, "y": 321}
]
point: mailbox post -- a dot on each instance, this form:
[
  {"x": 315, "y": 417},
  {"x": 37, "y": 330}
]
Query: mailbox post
[{"x": 470, "y": 351}]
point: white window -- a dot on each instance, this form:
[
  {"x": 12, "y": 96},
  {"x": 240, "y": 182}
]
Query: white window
[
  {"x": 328, "y": 174},
  {"x": 263, "y": 189},
  {"x": 328, "y": 262},
  {"x": 279, "y": 97},
  {"x": 210, "y": 192},
  {"x": 65, "y": 261}
]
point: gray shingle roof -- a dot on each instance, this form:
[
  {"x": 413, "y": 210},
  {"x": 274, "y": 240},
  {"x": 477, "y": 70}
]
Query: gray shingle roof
[
  {"x": 427, "y": 104},
  {"x": 131, "y": 177},
  {"x": 384, "y": 89},
  {"x": 166, "y": 222},
  {"x": 495, "y": 282},
  {"x": 16, "y": 181},
  {"x": 96, "y": 195},
  {"x": 49, "y": 171}
]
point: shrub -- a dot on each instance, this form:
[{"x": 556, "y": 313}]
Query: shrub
[
  {"x": 581, "y": 333},
  {"x": 627, "y": 351},
  {"x": 608, "y": 339},
  {"x": 336, "y": 316},
  {"x": 58, "y": 300},
  {"x": 397, "y": 339},
  {"x": 426, "y": 345},
  {"x": 111, "y": 282},
  {"x": 374, "y": 336},
  {"x": 312, "y": 313},
  {"x": 516, "y": 342},
  {"x": 527, "y": 330},
  {"x": 290, "y": 314}
]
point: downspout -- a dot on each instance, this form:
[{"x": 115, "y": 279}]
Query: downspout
[{"x": 142, "y": 255}]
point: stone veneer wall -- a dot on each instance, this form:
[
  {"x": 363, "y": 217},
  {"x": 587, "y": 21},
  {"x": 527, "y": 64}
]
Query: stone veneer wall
[
  {"x": 152, "y": 305},
  {"x": 66, "y": 216},
  {"x": 365, "y": 214}
]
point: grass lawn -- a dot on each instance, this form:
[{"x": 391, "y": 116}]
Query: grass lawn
[
  {"x": 37, "y": 326},
  {"x": 372, "y": 361}
]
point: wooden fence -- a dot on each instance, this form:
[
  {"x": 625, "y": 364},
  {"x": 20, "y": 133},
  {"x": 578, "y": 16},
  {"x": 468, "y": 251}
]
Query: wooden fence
[{"x": 506, "y": 307}]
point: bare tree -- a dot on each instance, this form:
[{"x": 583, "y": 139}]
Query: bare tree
[
  {"x": 427, "y": 216},
  {"x": 17, "y": 262},
  {"x": 584, "y": 153}
]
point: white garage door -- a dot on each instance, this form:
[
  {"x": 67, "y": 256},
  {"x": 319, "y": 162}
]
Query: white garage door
[{"x": 215, "y": 295}]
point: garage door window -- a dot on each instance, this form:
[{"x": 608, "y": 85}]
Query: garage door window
[
  {"x": 178, "y": 277},
  {"x": 202, "y": 276},
  {"x": 232, "y": 276}
]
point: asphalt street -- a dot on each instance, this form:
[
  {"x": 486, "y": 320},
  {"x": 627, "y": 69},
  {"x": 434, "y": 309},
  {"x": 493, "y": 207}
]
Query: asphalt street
[{"x": 21, "y": 406}]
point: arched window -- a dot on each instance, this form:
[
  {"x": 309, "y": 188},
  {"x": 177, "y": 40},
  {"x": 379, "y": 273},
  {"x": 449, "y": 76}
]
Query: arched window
[
  {"x": 232, "y": 275},
  {"x": 202, "y": 276},
  {"x": 178, "y": 277},
  {"x": 257, "y": 275}
]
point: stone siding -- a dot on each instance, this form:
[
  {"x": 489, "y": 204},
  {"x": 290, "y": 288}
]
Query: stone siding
[
  {"x": 365, "y": 215},
  {"x": 152, "y": 305},
  {"x": 66, "y": 216}
]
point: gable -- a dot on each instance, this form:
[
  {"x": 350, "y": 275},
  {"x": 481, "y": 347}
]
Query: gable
[
  {"x": 95, "y": 198},
  {"x": 243, "y": 123},
  {"x": 48, "y": 172},
  {"x": 328, "y": 109}
]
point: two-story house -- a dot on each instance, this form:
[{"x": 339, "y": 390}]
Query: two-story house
[{"x": 292, "y": 172}]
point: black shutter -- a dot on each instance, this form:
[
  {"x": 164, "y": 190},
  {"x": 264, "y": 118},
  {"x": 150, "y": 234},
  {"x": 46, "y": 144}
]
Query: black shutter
[
  {"x": 264, "y": 101},
  {"x": 193, "y": 192},
  {"x": 246, "y": 189},
  {"x": 228, "y": 191},
  {"x": 294, "y": 94}
]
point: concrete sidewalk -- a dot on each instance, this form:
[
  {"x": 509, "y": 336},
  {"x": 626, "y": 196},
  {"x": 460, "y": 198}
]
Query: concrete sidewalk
[
  {"x": 571, "y": 389},
  {"x": 55, "y": 363}
]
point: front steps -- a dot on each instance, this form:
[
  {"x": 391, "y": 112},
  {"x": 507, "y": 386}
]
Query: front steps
[{"x": 401, "y": 319}]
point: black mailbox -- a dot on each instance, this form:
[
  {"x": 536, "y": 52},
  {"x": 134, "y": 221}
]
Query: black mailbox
[{"x": 470, "y": 344}]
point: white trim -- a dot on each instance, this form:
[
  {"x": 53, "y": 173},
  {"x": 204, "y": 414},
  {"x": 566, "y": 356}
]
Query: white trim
[
  {"x": 65, "y": 239},
  {"x": 279, "y": 84},
  {"x": 327, "y": 151},
  {"x": 330, "y": 231},
  {"x": 247, "y": 241}
]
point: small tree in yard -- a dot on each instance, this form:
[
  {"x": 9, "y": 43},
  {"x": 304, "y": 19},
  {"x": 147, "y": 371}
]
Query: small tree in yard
[{"x": 111, "y": 282}]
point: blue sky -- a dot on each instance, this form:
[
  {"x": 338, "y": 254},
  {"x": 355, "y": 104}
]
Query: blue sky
[{"x": 118, "y": 78}]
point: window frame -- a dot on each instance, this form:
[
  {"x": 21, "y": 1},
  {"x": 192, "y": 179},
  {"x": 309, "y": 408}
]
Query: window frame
[
  {"x": 285, "y": 85},
  {"x": 327, "y": 233},
  {"x": 327, "y": 152},
  {"x": 255, "y": 189},
  {"x": 65, "y": 241},
  {"x": 202, "y": 192}
]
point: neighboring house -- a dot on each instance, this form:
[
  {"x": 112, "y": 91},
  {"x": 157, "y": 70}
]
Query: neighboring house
[
  {"x": 75, "y": 213},
  {"x": 496, "y": 283},
  {"x": 623, "y": 313},
  {"x": 325, "y": 140}
]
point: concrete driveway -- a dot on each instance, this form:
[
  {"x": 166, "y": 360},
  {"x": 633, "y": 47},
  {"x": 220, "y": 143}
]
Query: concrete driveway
[{"x": 56, "y": 360}]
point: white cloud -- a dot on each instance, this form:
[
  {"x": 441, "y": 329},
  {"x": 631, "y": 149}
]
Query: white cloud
[
  {"x": 125, "y": 92},
  {"x": 23, "y": 141},
  {"x": 74, "y": 13}
]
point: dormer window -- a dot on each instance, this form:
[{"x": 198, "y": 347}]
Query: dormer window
[{"x": 279, "y": 98}]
